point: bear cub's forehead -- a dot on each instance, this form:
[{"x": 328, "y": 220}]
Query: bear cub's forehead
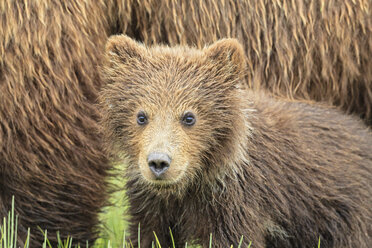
[
  {"x": 184, "y": 66},
  {"x": 177, "y": 52},
  {"x": 180, "y": 59},
  {"x": 140, "y": 70}
]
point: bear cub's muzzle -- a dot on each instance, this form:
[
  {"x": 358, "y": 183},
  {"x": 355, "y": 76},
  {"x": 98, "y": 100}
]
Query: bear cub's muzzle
[{"x": 158, "y": 163}]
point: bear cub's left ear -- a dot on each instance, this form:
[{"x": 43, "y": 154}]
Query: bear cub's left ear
[
  {"x": 227, "y": 53},
  {"x": 121, "y": 48}
]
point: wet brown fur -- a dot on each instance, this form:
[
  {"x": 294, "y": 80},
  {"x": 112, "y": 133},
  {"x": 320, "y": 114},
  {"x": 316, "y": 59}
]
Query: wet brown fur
[
  {"x": 48, "y": 82},
  {"x": 51, "y": 156},
  {"x": 318, "y": 50},
  {"x": 281, "y": 173}
]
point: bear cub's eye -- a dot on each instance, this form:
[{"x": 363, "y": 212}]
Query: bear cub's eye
[
  {"x": 141, "y": 118},
  {"x": 188, "y": 119}
]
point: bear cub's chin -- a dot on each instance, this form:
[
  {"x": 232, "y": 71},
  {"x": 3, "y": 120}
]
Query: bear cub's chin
[{"x": 163, "y": 180}]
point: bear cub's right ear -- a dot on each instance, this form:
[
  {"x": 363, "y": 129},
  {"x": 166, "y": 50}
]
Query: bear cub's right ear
[
  {"x": 229, "y": 54},
  {"x": 121, "y": 48}
]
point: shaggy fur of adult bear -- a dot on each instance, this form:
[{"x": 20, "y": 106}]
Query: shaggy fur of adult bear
[
  {"x": 51, "y": 155},
  {"x": 48, "y": 82},
  {"x": 233, "y": 161},
  {"x": 318, "y": 50}
]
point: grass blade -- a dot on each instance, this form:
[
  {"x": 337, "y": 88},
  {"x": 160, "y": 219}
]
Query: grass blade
[
  {"x": 319, "y": 242},
  {"x": 70, "y": 244},
  {"x": 170, "y": 231},
  {"x": 210, "y": 241},
  {"x": 240, "y": 242},
  {"x": 27, "y": 243},
  {"x": 250, "y": 243},
  {"x": 157, "y": 241},
  {"x": 16, "y": 232},
  {"x": 139, "y": 235},
  {"x": 12, "y": 223},
  {"x": 45, "y": 238},
  {"x": 5, "y": 234},
  {"x": 124, "y": 240}
]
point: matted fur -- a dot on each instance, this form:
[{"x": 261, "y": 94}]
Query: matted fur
[
  {"x": 48, "y": 81},
  {"x": 281, "y": 173},
  {"x": 51, "y": 156},
  {"x": 318, "y": 50}
]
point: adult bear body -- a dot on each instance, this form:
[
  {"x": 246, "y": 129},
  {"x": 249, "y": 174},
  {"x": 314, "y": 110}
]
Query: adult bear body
[{"x": 51, "y": 157}]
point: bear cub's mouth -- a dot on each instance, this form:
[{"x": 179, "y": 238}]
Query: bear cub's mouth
[{"x": 160, "y": 184}]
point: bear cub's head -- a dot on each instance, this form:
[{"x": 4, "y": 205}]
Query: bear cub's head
[{"x": 174, "y": 112}]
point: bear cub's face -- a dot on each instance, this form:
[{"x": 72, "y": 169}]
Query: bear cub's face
[{"x": 170, "y": 111}]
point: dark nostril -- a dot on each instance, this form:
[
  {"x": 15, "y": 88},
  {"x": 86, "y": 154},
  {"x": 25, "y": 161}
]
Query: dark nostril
[
  {"x": 158, "y": 163},
  {"x": 163, "y": 164},
  {"x": 152, "y": 164}
]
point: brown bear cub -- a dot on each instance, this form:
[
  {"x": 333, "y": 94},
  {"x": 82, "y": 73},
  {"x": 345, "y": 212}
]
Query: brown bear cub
[{"x": 205, "y": 156}]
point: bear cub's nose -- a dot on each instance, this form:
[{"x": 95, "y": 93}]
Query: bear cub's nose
[{"x": 158, "y": 163}]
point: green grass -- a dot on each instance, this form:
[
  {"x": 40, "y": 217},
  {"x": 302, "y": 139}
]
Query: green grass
[
  {"x": 112, "y": 232},
  {"x": 113, "y": 219}
]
